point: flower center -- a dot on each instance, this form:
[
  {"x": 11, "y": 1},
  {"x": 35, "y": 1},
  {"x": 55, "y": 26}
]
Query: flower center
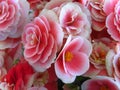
[
  {"x": 104, "y": 88},
  {"x": 68, "y": 56},
  {"x": 98, "y": 55},
  {"x": 33, "y": 40}
]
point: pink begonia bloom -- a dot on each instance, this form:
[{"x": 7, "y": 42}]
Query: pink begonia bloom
[
  {"x": 37, "y": 88},
  {"x": 13, "y": 16},
  {"x": 42, "y": 38},
  {"x": 97, "y": 14},
  {"x": 73, "y": 60},
  {"x": 113, "y": 18},
  {"x": 100, "y": 83},
  {"x": 75, "y": 19},
  {"x": 100, "y": 49}
]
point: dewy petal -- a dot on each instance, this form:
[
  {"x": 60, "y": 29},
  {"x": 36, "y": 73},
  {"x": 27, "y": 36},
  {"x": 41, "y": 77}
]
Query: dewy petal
[
  {"x": 78, "y": 65},
  {"x": 112, "y": 30}
]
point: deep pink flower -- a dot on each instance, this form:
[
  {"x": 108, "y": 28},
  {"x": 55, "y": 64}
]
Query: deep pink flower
[
  {"x": 13, "y": 16},
  {"x": 100, "y": 83},
  {"x": 73, "y": 60},
  {"x": 113, "y": 18},
  {"x": 42, "y": 39}
]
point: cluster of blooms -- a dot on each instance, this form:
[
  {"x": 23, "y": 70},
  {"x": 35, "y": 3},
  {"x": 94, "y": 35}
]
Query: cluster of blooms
[{"x": 42, "y": 41}]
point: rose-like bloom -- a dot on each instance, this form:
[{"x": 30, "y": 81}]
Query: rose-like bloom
[
  {"x": 42, "y": 39},
  {"x": 73, "y": 60},
  {"x": 75, "y": 19},
  {"x": 98, "y": 61},
  {"x": 113, "y": 18},
  {"x": 100, "y": 83},
  {"x": 19, "y": 76},
  {"x": 13, "y": 16},
  {"x": 97, "y": 14}
]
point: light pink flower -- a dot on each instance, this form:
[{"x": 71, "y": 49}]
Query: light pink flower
[
  {"x": 73, "y": 60},
  {"x": 13, "y": 16},
  {"x": 75, "y": 19},
  {"x": 42, "y": 39},
  {"x": 113, "y": 18},
  {"x": 100, "y": 49},
  {"x": 100, "y": 83},
  {"x": 97, "y": 14}
]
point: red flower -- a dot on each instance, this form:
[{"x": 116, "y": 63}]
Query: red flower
[{"x": 19, "y": 76}]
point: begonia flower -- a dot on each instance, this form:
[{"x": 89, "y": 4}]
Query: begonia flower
[
  {"x": 13, "y": 17},
  {"x": 73, "y": 60},
  {"x": 42, "y": 39},
  {"x": 100, "y": 83}
]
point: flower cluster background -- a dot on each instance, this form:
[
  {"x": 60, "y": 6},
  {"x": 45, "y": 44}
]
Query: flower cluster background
[{"x": 59, "y": 44}]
